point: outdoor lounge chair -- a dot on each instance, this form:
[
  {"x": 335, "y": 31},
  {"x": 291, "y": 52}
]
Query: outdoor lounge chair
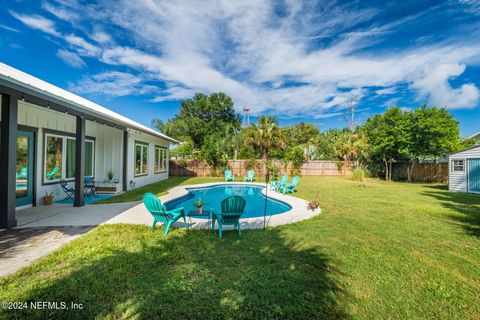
[
  {"x": 51, "y": 174},
  {"x": 232, "y": 210},
  {"x": 69, "y": 190},
  {"x": 160, "y": 213},
  {"x": 291, "y": 187},
  {"x": 229, "y": 176},
  {"x": 250, "y": 175},
  {"x": 279, "y": 184}
]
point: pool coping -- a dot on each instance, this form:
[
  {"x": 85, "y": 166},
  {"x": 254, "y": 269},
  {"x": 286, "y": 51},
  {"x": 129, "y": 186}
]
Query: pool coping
[{"x": 298, "y": 211}]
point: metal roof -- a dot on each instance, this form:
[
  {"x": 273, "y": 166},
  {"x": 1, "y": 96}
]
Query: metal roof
[
  {"x": 476, "y": 135},
  {"x": 22, "y": 79}
]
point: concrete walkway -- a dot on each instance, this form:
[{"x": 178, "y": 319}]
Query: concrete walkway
[
  {"x": 42, "y": 230},
  {"x": 20, "y": 247}
]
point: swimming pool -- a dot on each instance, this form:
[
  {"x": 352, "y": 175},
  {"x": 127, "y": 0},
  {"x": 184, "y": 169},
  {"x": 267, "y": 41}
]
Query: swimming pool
[{"x": 213, "y": 196}]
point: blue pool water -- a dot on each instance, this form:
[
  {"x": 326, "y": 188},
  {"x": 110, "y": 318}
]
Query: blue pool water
[{"x": 215, "y": 194}]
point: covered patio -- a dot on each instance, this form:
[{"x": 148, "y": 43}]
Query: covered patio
[{"x": 54, "y": 143}]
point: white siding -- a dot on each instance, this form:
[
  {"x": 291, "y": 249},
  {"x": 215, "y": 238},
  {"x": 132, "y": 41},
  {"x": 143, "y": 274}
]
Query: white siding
[
  {"x": 458, "y": 181},
  {"x": 151, "y": 177}
]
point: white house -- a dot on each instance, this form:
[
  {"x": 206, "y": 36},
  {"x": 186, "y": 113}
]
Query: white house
[
  {"x": 476, "y": 135},
  {"x": 40, "y": 127},
  {"x": 464, "y": 171}
]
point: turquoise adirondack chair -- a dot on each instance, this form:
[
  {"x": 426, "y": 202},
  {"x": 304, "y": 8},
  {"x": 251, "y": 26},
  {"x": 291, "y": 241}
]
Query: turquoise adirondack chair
[
  {"x": 160, "y": 213},
  {"x": 229, "y": 176},
  {"x": 51, "y": 174},
  {"x": 291, "y": 187},
  {"x": 232, "y": 210},
  {"x": 250, "y": 175},
  {"x": 22, "y": 174},
  {"x": 279, "y": 184}
]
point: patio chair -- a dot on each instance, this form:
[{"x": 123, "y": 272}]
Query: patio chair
[
  {"x": 51, "y": 174},
  {"x": 291, "y": 187},
  {"x": 89, "y": 185},
  {"x": 160, "y": 213},
  {"x": 229, "y": 176},
  {"x": 279, "y": 184},
  {"x": 22, "y": 174},
  {"x": 250, "y": 175},
  {"x": 69, "y": 190},
  {"x": 232, "y": 210}
]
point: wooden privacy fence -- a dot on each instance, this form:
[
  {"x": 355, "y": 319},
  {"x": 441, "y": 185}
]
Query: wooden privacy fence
[
  {"x": 422, "y": 172},
  {"x": 239, "y": 168}
]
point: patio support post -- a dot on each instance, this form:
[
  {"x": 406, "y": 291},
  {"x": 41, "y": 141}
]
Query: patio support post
[
  {"x": 125, "y": 160},
  {"x": 79, "y": 162},
  {"x": 8, "y": 160}
]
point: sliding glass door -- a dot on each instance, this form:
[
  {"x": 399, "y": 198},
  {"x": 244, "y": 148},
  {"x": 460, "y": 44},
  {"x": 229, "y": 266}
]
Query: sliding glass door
[{"x": 24, "y": 168}]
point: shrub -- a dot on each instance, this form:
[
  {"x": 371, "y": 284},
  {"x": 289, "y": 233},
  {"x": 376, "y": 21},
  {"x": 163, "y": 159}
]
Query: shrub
[
  {"x": 359, "y": 174},
  {"x": 296, "y": 157}
]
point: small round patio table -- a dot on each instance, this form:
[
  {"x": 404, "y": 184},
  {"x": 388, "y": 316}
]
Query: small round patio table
[{"x": 205, "y": 213}]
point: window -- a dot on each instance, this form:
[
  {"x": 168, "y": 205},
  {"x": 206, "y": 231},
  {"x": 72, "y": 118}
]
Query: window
[
  {"x": 60, "y": 157},
  {"x": 70, "y": 170},
  {"x": 53, "y": 158},
  {"x": 141, "y": 159},
  {"x": 458, "y": 165},
  {"x": 160, "y": 159}
]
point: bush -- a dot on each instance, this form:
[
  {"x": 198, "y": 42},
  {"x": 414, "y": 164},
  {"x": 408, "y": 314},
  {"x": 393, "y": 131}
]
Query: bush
[
  {"x": 359, "y": 174},
  {"x": 296, "y": 157}
]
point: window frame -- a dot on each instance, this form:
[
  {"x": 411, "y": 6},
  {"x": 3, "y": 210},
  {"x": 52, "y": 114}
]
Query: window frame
[
  {"x": 64, "y": 136},
  {"x": 157, "y": 163},
  {"x": 142, "y": 145},
  {"x": 456, "y": 167}
]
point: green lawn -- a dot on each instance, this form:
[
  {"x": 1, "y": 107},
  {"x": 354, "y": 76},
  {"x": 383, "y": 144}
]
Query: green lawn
[
  {"x": 157, "y": 188},
  {"x": 379, "y": 250}
]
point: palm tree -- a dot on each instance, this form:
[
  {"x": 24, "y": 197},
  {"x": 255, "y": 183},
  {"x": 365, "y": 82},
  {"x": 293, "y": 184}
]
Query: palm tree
[
  {"x": 263, "y": 136},
  {"x": 231, "y": 140},
  {"x": 159, "y": 125}
]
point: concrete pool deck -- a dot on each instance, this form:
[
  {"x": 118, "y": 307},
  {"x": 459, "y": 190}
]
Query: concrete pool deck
[
  {"x": 136, "y": 213},
  {"x": 298, "y": 212}
]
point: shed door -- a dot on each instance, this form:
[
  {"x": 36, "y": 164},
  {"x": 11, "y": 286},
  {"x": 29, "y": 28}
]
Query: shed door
[{"x": 474, "y": 175}]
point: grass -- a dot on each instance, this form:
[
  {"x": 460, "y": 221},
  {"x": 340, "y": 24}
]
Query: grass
[
  {"x": 158, "y": 188},
  {"x": 377, "y": 250}
]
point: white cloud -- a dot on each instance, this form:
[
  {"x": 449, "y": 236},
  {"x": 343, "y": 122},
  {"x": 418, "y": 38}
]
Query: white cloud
[
  {"x": 9, "y": 28},
  {"x": 37, "y": 22},
  {"x": 101, "y": 37},
  {"x": 248, "y": 51},
  {"x": 84, "y": 48},
  {"x": 434, "y": 85},
  {"x": 70, "y": 58},
  {"x": 60, "y": 12},
  {"x": 113, "y": 84},
  {"x": 386, "y": 91}
]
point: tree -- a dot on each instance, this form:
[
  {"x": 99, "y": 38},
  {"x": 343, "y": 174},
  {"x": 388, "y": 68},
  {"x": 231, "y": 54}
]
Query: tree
[
  {"x": 263, "y": 136},
  {"x": 350, "y": 146},
  {"x": 231, "y": 140},
  {"x": 203, "y": 116},
  {"x": 434, "y": 134},
  {"x": 325, "y": 145},
  {"x": 302, "y": 135},
  {"x": 158, "y": 124},
  {"x": 389, "y": 136},
  {"x": 212, "y": 152},
  {"x": 296, "y": 157}
]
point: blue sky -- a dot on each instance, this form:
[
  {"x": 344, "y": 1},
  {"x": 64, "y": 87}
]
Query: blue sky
[{"x": 297, "y": 60}]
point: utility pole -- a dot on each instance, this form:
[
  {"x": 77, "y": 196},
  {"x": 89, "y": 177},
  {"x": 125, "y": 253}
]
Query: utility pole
[{"x": 352, "y": 111}]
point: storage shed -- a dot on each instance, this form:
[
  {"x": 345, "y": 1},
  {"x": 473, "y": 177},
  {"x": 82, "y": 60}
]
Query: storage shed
[{"x": 464, "y": 171}]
